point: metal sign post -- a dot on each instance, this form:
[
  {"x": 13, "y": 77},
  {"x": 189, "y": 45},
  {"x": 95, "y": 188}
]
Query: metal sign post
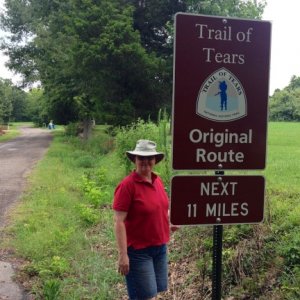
[
  {"x": 217, "y": 258},
  {"x": 217, "y": 262}
]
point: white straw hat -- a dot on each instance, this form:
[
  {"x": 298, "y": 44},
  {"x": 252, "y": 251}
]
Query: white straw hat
[{"x": 145, "y": 148}]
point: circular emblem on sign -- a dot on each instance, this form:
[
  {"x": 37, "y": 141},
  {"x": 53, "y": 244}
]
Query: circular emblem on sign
[{"x": 221, "y": 97}]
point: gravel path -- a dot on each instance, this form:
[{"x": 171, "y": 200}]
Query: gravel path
[{"x": 17, "y": 159}]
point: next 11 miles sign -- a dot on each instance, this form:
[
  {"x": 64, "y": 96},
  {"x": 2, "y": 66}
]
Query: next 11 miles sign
[{"x": 205, "y": 200}]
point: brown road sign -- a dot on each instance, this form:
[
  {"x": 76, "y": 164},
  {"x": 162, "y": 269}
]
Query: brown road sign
[
  {"x": 220, "y": 94},
  {"x": 213, "y": 200}
]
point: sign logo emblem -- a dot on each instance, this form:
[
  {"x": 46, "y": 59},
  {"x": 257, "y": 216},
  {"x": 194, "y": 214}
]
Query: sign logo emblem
[{"x": 221, "y": 97}]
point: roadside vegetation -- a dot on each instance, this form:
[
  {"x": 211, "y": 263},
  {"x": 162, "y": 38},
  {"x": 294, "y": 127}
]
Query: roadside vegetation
[
  {"x": 63, "y": 227},
  {"x": 284, "y": 105},
  {"x": 10, "y": 131}
]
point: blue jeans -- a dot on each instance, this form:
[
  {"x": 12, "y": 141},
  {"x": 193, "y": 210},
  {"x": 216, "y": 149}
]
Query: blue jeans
[{"x": 148, "y": 272}]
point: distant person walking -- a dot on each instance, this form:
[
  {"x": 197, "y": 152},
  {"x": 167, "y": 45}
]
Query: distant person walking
[
  {"x": 142, "y": 227},
  {"x": 51, "y": 125}
]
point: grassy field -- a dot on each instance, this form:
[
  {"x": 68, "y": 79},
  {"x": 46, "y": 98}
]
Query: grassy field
[
  {"x": 63, "y": 229},
  {"x": 283, "y": 156}
]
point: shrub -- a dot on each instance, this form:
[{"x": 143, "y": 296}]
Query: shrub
[
  {"x": 72, "y": 129},
  {"x": 127, "y": 137},
  {"x": 88, "y": 214},
  {"x": 85, "y": 161},
  {"x": 290, "y": 248},
  {"x": 95, "y": 188}
]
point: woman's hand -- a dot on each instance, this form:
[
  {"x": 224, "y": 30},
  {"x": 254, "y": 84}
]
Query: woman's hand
[
  {"x": 123, "y": 262},
  {"x": 174, "y": 227},
  {"x": 120, "y": 232}
]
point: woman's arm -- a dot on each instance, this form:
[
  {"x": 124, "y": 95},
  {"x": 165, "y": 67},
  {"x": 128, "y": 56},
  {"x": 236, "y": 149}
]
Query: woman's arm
[{"x": 121, "y": 237}]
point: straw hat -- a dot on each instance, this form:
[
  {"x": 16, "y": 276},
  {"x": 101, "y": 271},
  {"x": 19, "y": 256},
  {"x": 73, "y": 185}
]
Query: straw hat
[{"x": 145, "y": 148}]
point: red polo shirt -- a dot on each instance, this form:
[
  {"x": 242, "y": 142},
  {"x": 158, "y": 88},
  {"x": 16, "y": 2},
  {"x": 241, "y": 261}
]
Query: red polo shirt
[{"x": 147, "y": 204}]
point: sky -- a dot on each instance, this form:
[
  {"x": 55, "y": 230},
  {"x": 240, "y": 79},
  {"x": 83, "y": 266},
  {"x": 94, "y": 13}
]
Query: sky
[
  {"x": 4, "y": 72},
  {"x": 285, "y": 48}
]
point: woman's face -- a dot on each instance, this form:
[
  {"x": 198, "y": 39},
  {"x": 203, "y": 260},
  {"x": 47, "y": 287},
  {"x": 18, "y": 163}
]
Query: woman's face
[{"x": 144, "y": 164}]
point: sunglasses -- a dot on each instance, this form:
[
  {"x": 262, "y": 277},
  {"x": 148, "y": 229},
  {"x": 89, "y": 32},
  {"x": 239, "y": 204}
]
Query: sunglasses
[{"x": 145, "y": 157}]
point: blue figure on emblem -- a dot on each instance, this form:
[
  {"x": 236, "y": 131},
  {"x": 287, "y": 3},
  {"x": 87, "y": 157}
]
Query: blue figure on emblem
[{"x": 223, "y": 94}]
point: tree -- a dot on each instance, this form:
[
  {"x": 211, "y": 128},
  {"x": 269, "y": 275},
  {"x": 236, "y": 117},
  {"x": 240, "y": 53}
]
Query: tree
[
  {"x": 87, "y": 56},
  {"x": 294, "y": 83},
  {"x": 228, "y": 8},
  {"x": 153, "y": 18},
  {"x": 5, "y": 102},
  {"x": 154, "y": 21},
  {"x": 110, "y": 60},
  {"x": 12, "y": 102},
  {"x": 37, "y": 109},
  {"x": 284, "y": 105}
]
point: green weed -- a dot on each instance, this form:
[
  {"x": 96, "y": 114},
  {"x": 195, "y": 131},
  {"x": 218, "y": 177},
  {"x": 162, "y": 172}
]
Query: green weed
[
  {"x": 86, "y": 161},
  {"x": 52, "y": 289}
]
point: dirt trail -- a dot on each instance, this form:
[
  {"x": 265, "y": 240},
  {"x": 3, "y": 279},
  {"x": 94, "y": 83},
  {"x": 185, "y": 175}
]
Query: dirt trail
[{"x": 17, "y": 158}]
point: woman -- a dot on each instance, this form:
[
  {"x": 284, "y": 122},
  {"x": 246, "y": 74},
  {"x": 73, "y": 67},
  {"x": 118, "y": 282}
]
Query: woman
[{"x": 142, "y": 225}]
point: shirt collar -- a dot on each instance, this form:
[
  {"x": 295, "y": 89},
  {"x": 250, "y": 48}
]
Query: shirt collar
[{"x": 138, "y": 178}]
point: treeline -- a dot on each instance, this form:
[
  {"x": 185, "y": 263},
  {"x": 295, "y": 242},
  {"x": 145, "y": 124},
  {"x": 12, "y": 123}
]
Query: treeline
[
  {"x": 284, "y": 105},
  {"x": 109, "y": 60},
  {"x": 18, "y": 105},
  {"x": 13, "y": 104}
]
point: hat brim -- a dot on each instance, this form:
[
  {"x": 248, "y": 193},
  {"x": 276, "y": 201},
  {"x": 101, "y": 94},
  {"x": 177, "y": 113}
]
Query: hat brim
[{"x": 132, "y": 154}]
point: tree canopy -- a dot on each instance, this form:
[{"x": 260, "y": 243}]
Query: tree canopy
[{"x": 104, "y": 59}]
